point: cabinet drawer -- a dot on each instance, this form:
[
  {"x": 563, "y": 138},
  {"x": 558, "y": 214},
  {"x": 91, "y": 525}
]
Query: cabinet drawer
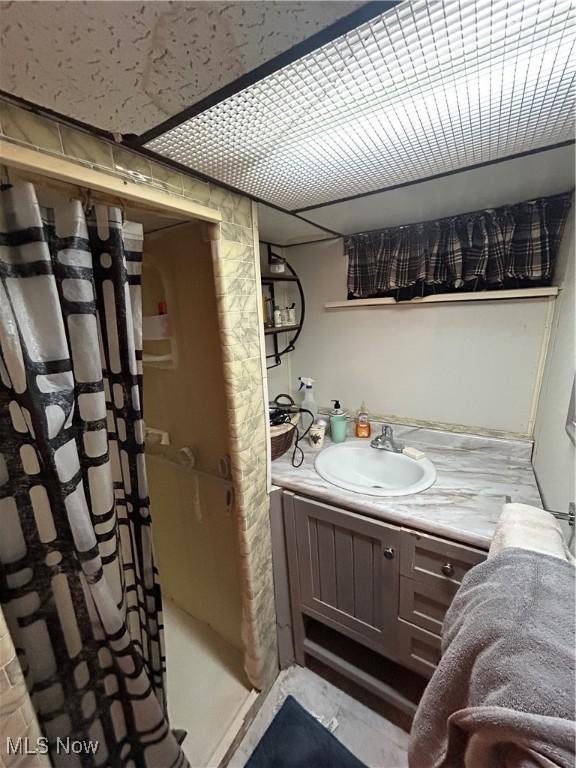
[
  {"x": 424, "y": 557},
  {"x": 418, "y": 649},
  {"x": 425, "y": 601}
]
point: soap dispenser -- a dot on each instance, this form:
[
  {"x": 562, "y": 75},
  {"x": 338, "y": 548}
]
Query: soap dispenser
[
  {"x": 362, "y": 427},
  {"x": 338, "y": 423}
]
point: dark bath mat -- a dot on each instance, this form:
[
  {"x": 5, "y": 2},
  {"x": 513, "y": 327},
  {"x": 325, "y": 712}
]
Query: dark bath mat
[{"x": 294, "y": 739}]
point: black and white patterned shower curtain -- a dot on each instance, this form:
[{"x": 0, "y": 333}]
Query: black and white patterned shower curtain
[{"x": 78, "y": 582}]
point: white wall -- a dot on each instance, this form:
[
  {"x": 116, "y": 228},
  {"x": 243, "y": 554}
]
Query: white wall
[
  {"x": 470, "y": 364},
  {"x": 279, "y": 379},
  {"x": 554, "y": 453}
]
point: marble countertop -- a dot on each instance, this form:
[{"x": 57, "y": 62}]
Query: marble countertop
[{"x": 475, "y": 474}]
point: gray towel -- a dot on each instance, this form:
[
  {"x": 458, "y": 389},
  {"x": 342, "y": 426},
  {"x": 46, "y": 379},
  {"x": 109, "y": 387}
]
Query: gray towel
[{"x": 503, "y": 693}]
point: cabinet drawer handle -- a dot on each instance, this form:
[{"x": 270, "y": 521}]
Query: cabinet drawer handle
[
  {"x": 448, "y": 569},
  {"x": 389, "y": 553}
]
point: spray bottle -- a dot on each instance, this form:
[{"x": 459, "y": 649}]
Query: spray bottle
[{"x": 308, "y": 402}]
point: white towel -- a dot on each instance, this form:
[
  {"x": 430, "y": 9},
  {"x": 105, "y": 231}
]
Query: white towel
[{"x": 527, "y": 527}]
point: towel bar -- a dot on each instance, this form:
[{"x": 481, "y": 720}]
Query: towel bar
[
  {"x": 185, "y": 468},
  {"x": 569, "y": 516}
]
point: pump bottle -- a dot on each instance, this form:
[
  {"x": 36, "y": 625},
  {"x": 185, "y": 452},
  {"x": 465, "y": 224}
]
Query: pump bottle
[
  {"x": 338, "y": 423},
  {"x": 308, "y": 402}
]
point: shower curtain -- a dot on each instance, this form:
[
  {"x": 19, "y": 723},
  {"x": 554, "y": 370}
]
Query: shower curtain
[{"x": 78, "y": 584}]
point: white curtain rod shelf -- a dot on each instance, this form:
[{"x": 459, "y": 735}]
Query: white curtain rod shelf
[{"x": 441, "y": 298}]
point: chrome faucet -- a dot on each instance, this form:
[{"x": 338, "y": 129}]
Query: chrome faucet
[{"x": 385, "y": 441}]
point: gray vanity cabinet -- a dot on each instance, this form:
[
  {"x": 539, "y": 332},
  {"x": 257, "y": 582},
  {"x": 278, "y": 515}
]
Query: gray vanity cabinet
[
  {"x": 348, "y": 571},
  {"x": 381, "y": 585}
]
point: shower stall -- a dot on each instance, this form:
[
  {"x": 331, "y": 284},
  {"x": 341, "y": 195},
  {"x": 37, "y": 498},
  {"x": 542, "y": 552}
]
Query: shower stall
[{"x": 191, "y": 491}]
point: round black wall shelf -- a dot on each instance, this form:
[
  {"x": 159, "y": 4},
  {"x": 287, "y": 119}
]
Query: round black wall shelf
[{"x": 293, "y": 330}]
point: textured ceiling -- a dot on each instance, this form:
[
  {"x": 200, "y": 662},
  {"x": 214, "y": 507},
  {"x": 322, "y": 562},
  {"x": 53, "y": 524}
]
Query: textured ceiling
[{"x": 127, "y": 66}]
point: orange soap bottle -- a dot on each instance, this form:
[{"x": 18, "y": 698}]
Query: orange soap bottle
[{"x": 363, "y": 422}]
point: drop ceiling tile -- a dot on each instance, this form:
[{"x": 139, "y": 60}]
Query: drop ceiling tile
[{"x": 422, "y": 89}]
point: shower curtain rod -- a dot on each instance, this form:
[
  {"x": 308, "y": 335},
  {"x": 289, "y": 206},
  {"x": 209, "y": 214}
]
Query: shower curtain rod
[
  {"x": 130, "y": 190},
  {"x": 87, "y": 196},
  {"x": 78, "y": 191},
  {"x": 183, "y": 223}
]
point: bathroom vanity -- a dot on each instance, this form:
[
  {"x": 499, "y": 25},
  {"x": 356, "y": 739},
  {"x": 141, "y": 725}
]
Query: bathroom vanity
[{"x": 360, "y": 578}]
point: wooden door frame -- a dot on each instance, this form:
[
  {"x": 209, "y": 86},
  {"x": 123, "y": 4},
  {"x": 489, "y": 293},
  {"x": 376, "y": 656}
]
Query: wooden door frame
[{"x": 68, "y": 172}]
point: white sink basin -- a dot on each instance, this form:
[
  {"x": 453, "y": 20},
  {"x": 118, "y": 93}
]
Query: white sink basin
[{"x": 356, "y": 466}]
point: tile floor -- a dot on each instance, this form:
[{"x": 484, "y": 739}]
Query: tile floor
[
  {"x": 374, "y": 740},
  {"x": 206, "y": 689}
]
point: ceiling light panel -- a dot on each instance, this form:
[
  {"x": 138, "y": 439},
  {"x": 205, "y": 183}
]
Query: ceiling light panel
[{"x": 427, "y": 87}]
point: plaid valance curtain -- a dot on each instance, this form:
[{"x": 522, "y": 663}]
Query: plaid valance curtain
[{"x": 512, "y": 246}]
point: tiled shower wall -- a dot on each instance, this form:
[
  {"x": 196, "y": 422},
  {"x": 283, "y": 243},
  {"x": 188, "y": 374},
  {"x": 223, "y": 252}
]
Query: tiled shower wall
[
  {"x": 237, "y": 281},
  {"x": 17, "y": 716}
]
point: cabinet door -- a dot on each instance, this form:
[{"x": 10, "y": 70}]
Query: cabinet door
[{"x": 348, "y": 569}]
